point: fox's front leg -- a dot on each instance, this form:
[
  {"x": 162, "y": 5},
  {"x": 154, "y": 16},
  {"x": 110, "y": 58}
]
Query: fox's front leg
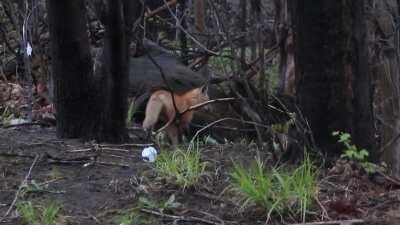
[
  {"x": 173, "y": 134},
  {"x": 184, "y": 123}
]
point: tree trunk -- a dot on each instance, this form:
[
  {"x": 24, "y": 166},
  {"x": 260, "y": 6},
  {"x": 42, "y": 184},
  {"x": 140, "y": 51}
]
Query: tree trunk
[
  {"x": 91, "y": 106},
  {"x": 322, "y": 37},
  {"x": 243, "y": 29},
  {"x": 200, "y": 25},
  {"x": 284, "y": 38},
  {"x": 114, "y": 77},
  {"x": 71, "y": 66},
  {"x": 182, "y": 36},
  {"x": 363, "y": 126},
  {"x": 386, "y": 70}
]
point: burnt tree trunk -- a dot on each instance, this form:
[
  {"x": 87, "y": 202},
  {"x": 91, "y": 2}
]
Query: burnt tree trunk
[
  {"x": 363, "y": 126},
  {"x": 330, "y": 80},
  {"x": 113, "y": 77},
  {"x": 91, "y": 105},
  {"x": 71, "y": 66},
  {"x": 112, "y": 126}
]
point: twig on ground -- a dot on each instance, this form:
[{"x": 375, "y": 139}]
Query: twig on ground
[
  {"x": 127, "y": 145},
  {"x": 8, "y": 154},
  {"x": 23, "y": 183},
  {"x": 93, "y": 217},
  {"x": 388, "y": 178},
  {"x": 112, "y": 164},
  {"x": 211, "y": 215},
  {"x": 28, "y": 124},
  {"x": 324, "y": 212},
  {"x": 334, "y": 222},
  {"x": 114, "y": 149},
  {"x": 180, "y": 218}
]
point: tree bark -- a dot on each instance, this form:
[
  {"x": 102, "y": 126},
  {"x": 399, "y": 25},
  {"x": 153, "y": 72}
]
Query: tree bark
[
  {"x": 114, "y": 77},
  {"x": 284, "y": 38},
  {"x": 333, "y": 82},
  {"x": 115, "y": 69},
  {"x": 71, "y": 66},
  {"x": 182, "y": 36},
  {"x": 91, "y": 105},
  {"x": 386, "y": 70},
  {"x": 363, "y": 126}
]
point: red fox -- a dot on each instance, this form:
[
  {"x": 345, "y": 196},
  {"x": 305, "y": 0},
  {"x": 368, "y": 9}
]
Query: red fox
[{"x": 160, "y": 106}]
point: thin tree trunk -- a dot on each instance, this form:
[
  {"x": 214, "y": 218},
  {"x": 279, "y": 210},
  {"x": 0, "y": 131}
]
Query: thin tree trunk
[
  {"x": 243, "y": 29},
  {"x": 181, "y": 34},
  {"x": 283, "y": 31},
  {"x": 200, "y": 25}
]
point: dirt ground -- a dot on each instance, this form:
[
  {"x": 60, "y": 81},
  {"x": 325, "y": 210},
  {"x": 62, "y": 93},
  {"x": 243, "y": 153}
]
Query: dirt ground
[{"x": 96, "y": 184}]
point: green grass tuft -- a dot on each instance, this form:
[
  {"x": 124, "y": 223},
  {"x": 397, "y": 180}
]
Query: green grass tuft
[
  {"x": 36, "y": 215},
  {"x": 183, "y": 166},
  {"x": 280, "y": 190}
]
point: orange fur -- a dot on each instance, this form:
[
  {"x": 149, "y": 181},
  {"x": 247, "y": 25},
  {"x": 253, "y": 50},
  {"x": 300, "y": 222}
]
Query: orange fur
[{"x": 160, "y": 105}]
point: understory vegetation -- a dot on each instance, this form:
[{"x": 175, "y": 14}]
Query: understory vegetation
[
  {"x": 184, "y": 167},
  {"x": 278, "y": 190},
  {"x": 39, "y": 214}
]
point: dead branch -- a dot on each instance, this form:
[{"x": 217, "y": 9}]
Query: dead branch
[
  {"x": 127, "y": 145},
  {"x": 208, "y": 102},
  {"x": 23, "y": 183},
  {"x": 255, "y": 124},
  {"x": 334, "y": 222},
  {"x": 160, "y": 9},
  {"x": 193, "y": 108},
  {"x": 179, "y": 25},
  {"x": 181, "y": 218}
]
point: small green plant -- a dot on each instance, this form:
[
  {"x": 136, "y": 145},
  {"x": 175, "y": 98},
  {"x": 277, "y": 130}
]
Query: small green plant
[
  {"x": 55, "y": 173},
  {"x": 31, "y": 187},
  {"x": 38, "y": 215},
  {"x": 7, "y": 113},
  {"x": 127, "y": 219},
  {"x": 168, "y": 204},
  {"x": 281, "y": 190},
  {"x": 184, "y": 166},
  {"x": 352, "y": 153},
  {"x": 34, "y": 187},
  {"x": 133, "y": 216}
]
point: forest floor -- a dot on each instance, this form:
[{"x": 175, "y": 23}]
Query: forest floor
[{"x": 100, "y": 184}]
